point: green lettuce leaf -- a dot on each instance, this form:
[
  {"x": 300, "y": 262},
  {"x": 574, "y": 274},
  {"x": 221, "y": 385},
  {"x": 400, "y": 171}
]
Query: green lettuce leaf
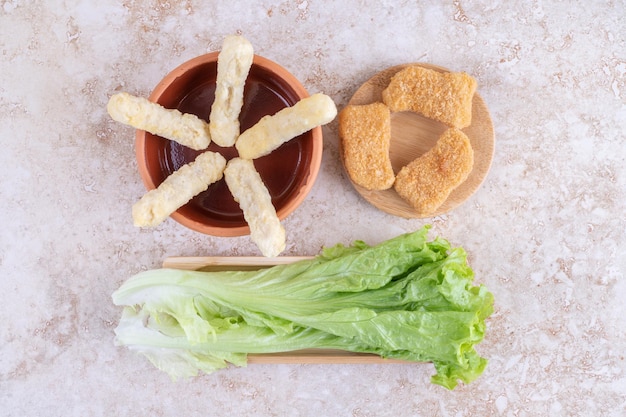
[{"x": 407, "y": 298}]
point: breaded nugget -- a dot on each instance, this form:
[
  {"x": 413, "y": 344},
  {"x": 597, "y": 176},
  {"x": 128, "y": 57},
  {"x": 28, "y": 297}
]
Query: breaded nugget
[
  {"x": 178, "y": 188},
  {"x": 248, "y": 189},
  {"x": 427, "y": 181},
  {"x": 140, "y": 113},
  {"x": 273, "y": 130},
  {"x": 365, "y": 133},
  {"x": 442, "y": 96},
  {"x": 233, "y": 65}
]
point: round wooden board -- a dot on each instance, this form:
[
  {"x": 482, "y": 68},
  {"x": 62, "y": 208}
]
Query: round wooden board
[{"x": 412, "y": 135}]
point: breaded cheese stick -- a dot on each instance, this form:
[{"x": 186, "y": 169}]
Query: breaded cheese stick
[
  {"x": 178, "y": 188},
  {"x": 442, "y": 96},
  {"x": 233, "y": 65},
  {"x": 427, "y": 181},
  {"x": 273, "y": 130},
  {"x": 365, "y": 133},
  {"x": 246, "y": 186},
  {"x": 140, "y": 113}
]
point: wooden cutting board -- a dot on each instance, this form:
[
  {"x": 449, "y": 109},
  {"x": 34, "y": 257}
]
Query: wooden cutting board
[
  {"x": 246, "y": 263},
  {"x": 412, "y": 135}
]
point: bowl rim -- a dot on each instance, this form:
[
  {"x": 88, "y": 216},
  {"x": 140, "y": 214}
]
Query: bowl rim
[{"x": 311, "y": 172}]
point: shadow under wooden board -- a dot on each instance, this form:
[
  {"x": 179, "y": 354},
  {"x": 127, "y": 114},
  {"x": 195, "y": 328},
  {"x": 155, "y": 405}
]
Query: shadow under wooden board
[
  {"x": 412, "y": 135},
  {"x": 247, "y": 263}
]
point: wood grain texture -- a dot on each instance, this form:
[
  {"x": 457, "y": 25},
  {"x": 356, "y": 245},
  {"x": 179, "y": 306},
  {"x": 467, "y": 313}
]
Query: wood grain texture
[
  {"x": 237, "y": 263},
  {"x": 246, "y": 263},
  {"x": 412, "y": 135}
]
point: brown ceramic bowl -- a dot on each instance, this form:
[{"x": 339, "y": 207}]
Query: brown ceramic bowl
[{"x": 288, "y": 172}]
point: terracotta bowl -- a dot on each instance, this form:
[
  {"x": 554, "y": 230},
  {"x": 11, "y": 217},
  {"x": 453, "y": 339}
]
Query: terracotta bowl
[{"x": 288, "y": 172}]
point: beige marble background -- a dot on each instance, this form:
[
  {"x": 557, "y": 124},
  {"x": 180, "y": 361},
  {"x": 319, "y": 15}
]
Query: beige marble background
[{"x": 545, "y": 233}]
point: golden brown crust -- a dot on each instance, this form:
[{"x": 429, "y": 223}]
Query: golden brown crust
[
  {"x": 442, "y": 96},
  {"x": 427, "y": 181},
  {"x": 365, "y": 133}
]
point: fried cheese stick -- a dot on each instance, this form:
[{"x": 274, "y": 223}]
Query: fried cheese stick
[
  {"x": 178, "y": 189},
  {"x": 426, "y": 182},
  {"x": 246, "y": 186},
  {"x": 442, "y": 96},
  {"x": 273, "y": 130},
  {"x": 233, "y": 65},
  {"x": 140, "y": 113}
]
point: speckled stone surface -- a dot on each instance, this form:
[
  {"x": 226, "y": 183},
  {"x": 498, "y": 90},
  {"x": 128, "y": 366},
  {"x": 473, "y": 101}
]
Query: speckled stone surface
[{"x": 545, "y": 233}]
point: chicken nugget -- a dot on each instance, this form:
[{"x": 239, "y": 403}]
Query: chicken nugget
[
  {"x": 178, "y": 188},
  {"x": 442, "y": 96},
  {"x": 187, "y": 129},
  {"x": 248, "y": 189},
  {"x": 365, "y": 132},
  {"x": 233, "y": 65},
  {"x": 427, "y": 181},
  {"x": 273, "y": 130}
]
